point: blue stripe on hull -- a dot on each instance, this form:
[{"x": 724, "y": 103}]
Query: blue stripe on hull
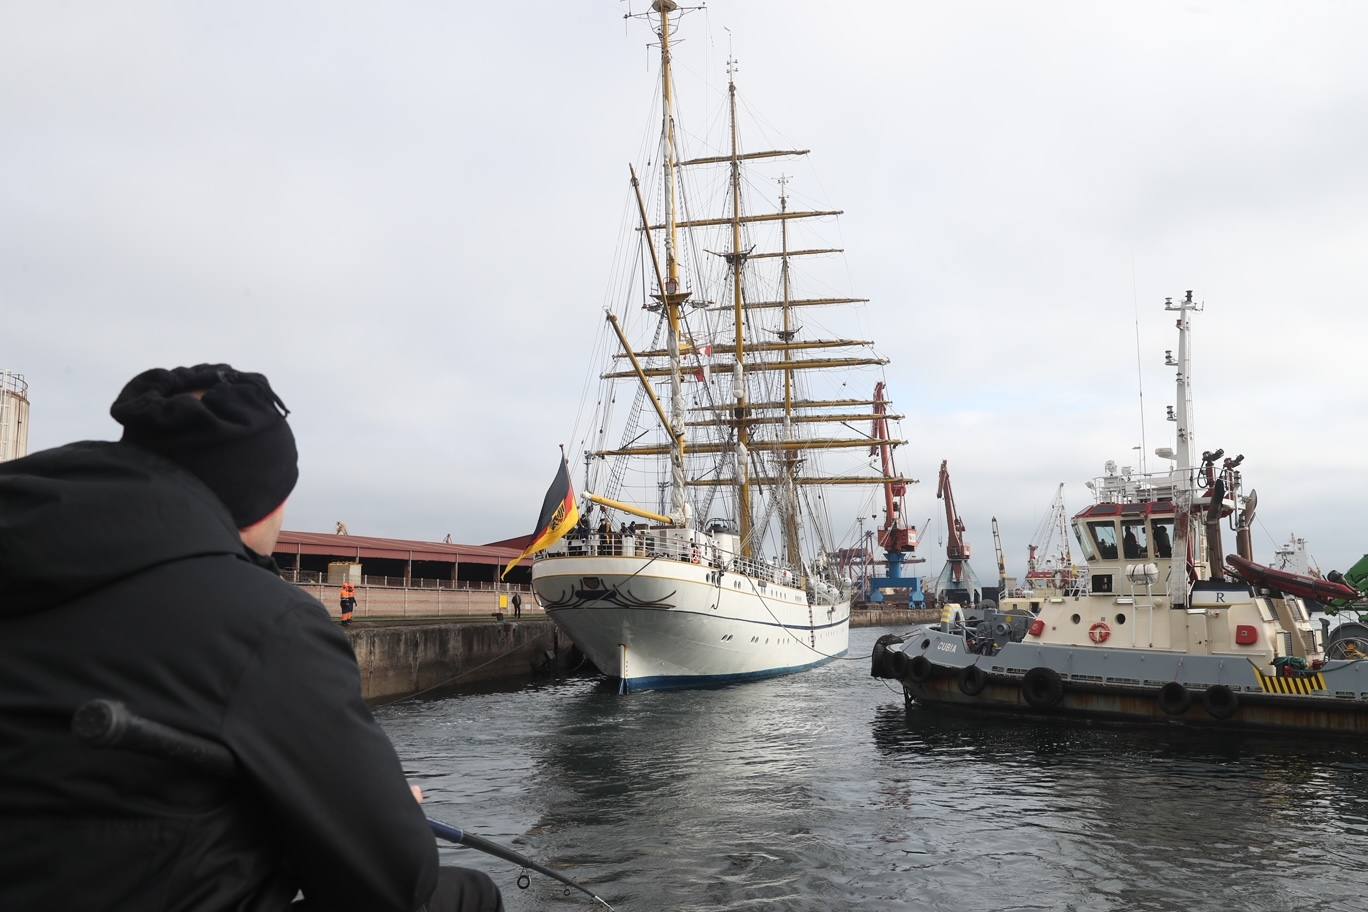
[{"x": 677, "y": 682}]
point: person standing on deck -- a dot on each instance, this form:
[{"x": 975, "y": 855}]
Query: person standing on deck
[
  {"x": 517, "y": 605},
  {"x": 140, "y": 571}
]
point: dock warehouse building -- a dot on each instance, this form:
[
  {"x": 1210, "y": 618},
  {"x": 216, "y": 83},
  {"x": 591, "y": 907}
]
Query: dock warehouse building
[{"x": 324, "y": 558}]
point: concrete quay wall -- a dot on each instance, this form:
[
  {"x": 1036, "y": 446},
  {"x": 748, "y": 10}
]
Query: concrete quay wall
[
  {"x": 893, "y": 617},
  {"x": 400, "y": 660}
]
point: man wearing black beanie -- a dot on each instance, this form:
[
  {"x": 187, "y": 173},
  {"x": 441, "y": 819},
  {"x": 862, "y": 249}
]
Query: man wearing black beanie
[{"x": 140, "y": 571}]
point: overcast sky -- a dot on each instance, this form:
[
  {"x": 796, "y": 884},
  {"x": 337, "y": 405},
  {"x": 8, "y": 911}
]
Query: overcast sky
[{"x": 405, "y": 214}]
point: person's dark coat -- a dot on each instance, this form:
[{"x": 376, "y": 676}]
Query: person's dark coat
[{"x": 122, "y": 576}]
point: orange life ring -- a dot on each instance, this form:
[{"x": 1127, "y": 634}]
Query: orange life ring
[{"x": 1099, "y": 632}]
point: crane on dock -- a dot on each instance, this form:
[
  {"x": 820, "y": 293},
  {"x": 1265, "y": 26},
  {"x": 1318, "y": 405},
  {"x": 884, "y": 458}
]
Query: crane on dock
[
  {"x": 1002, "y": 561},
  {"x": 1049, "y": 560},
  {"x": 896, "y": 537},
  {"x": 957, "y": 581}
]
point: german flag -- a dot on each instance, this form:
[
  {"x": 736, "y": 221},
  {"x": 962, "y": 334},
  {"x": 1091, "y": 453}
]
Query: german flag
[{"x": 558, "y": 515}]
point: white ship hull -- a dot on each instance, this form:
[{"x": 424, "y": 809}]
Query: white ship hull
[{"x": 659, "y": 623}]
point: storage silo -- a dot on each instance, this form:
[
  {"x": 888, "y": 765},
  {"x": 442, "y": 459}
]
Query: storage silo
[{"x": 14, "y": 415}]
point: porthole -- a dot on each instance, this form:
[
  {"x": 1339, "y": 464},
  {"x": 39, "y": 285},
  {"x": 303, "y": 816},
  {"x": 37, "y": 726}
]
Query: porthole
[
  {"x": 1076, "y": 619},
  {"x": 1120, "y": 619},
  {"x": 926, "y": 644}
]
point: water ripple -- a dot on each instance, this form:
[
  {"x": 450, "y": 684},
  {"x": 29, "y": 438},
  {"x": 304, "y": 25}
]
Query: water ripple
[{"x": 821, "y": 791}]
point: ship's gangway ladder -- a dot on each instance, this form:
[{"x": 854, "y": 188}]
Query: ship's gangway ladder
[{"x": 1148, "y": 575}]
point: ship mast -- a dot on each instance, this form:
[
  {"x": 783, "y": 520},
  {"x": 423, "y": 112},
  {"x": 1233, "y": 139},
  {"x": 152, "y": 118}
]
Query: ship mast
[
  {"x": 737, "y": 258},
  {"x": 671, "y": 297},
  {"x": 759, "y": 426},
  {"x": 791, "y": 544},
  {"x": 1182, "y": 471}
]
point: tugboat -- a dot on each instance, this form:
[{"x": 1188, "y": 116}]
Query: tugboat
[{"x": 1164, "y": 632}]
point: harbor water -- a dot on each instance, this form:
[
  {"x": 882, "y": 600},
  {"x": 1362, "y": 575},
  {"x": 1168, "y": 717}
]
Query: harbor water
[{"x": 820, "y": 791}]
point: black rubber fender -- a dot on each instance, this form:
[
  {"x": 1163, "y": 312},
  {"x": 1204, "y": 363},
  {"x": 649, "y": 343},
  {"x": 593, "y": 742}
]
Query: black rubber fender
[
  {"x": 1220, "y": 701},
  {"x": 1042, "y": 688},
  {"x": 1174, "y": 699},
  {"x": 881, "y": 658},
  {"x": 897, "y": 663},
  {"x": 920, "y": 669},
  {"x": 972, "y": 680}
]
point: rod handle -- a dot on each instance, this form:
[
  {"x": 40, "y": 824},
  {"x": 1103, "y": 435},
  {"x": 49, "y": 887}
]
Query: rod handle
[{"x": 109, "y": 723}]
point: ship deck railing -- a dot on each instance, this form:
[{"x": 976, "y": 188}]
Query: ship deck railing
[{"x": 664, "y": 547}]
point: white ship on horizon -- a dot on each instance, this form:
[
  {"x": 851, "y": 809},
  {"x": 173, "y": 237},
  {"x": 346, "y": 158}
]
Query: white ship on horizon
[{"x": 730, "y": 573}]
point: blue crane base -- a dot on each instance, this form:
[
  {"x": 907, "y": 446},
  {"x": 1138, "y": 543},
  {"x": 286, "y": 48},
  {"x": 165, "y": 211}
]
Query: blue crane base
[
  {"x": 877, "y": 584},
  {"x": 896, "y": 580}
]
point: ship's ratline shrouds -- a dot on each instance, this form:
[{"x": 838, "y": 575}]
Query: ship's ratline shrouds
[
  {"x": 706, "y": 553},
  {"x": 559, "y": 513}
]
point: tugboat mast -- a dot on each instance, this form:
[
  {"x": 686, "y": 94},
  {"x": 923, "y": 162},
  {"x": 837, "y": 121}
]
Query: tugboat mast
[{"x": 1183, "y": 544}]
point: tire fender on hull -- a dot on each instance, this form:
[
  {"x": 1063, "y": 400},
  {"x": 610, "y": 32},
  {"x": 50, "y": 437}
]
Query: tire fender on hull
[
  {"x": 972, "y": 680},
  {"x": 1174, "y": 699},
  {"x": 897, "y": 664},
  {"x": 1042, "y": 688},
  {"x": 1221, "y": 702},
  {"x": 881, "y": 661},
  {"x": 920, "y": 669}
]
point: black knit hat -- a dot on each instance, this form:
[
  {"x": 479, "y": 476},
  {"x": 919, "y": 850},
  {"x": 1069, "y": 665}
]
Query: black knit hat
[{"x": 234, "y": 438}]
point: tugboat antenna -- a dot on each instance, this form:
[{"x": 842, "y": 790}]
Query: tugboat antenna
[{"x": 1139, "y": 373}]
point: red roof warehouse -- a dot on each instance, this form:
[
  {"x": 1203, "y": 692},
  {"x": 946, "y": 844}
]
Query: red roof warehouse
[{"x": 397, "y": 561}]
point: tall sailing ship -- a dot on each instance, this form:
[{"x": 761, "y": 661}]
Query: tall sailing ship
[{"x": 730, "y": 573}]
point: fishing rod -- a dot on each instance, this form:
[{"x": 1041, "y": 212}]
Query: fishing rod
[{"x": 109, "y": 723}]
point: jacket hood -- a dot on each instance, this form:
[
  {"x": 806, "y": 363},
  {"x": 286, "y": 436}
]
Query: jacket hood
[{"x": 80, "y": 516}]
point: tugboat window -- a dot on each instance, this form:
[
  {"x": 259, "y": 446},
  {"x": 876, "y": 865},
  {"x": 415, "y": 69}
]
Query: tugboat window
[
  {"x": 1134, "y": 542},
  {"x": 1089, "y": 552},
  {"x": 1163, "y": 537},
  {"x": 1104, "y": 533}
]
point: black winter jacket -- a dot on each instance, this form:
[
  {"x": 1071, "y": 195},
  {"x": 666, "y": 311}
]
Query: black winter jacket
[{"x": 122, "y": 576}]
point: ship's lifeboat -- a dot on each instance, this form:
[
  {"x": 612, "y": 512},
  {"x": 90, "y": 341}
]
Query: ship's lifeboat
[{"x": 1308, "y": 587}]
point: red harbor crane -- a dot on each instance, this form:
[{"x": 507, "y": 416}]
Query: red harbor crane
[
  {"x": 957, "y": 581},
  {"x": 897, "y": 539}
]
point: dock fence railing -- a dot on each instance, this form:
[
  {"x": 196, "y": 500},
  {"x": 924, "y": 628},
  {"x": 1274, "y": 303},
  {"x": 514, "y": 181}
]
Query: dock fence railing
[
  {"x": 381, "y": 602},
  {"x": 319, "y": 578}
]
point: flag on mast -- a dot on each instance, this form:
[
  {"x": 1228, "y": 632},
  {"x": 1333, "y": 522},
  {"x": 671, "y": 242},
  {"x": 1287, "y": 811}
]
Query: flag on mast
[
  {"x": 703, "y": 372},
  {"x": 559, "y": 513}
]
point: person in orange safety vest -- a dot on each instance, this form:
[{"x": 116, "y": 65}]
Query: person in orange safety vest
[{"x": 348, "y": 602}]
